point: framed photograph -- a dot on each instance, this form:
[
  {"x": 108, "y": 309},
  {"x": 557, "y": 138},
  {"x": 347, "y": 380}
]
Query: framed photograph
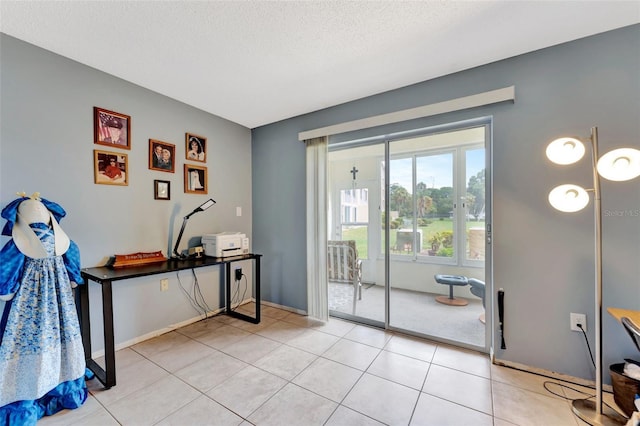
[
  {"x": 195, "y": 179},
  {"x": 162, "y": 156},
  {"x": 196, "y": 148},
  {"x": 161, "y": 190},
  {"x": 110, "y": 168},
  {"x": 111, "y": 128}
]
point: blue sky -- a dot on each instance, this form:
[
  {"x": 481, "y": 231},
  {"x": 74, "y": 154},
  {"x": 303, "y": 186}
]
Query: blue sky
[{"x": 434, "y": 170}]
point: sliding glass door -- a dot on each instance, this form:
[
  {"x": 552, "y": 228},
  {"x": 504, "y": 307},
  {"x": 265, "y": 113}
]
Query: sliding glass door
[
  {"x": 427, "y": 195},
  {"x": 355, "y": 211},
  {"x": 436, "y": 207}
]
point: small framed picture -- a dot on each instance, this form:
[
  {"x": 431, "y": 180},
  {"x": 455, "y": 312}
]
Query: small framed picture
[
  {"x": 111, "y": 128},
  {"x": 110, "y": 168},
  {"x": 195, "y": 179},
  {"x": 196, "y": 148},
  {"x": 161, "y": 190},
  {"x": 162, "y": 156}
]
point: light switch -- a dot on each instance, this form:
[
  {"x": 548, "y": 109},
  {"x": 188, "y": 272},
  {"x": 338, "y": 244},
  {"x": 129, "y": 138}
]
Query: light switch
[{"x": 238, "y": 211}]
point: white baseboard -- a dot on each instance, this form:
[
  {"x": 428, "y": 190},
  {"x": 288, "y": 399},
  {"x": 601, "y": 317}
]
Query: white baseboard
[
  {"x": 284, "y": 308},
  {"x": 172, "y": 327},
  {"x": 156, "y": 333},
  {"x": 550, "y": 374}
]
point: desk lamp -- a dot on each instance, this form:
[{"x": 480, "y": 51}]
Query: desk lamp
[
  {"x": 202, "y": 207},
  {"x": 618, "y": 165}
]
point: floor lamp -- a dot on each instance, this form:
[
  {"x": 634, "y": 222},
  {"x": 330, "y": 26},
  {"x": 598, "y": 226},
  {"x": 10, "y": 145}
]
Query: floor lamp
[{"x": 617, "y": 165}]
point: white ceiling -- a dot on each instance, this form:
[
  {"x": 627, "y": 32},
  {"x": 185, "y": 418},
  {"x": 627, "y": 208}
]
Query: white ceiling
[{"x": 257, "y": 62}]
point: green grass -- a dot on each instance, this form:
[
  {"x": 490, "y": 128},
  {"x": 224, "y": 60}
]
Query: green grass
[{"x": 359, "y": 234}]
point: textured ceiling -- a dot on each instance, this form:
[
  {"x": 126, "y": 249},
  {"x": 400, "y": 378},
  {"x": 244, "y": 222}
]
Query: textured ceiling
[{"x": 257, "y": 62}]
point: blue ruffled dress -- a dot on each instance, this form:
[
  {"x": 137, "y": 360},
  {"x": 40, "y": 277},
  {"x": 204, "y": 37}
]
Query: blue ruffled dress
[{"x": 42, "y": 363}]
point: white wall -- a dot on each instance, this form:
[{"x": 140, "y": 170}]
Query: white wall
[{"x": 46, "y": 145}]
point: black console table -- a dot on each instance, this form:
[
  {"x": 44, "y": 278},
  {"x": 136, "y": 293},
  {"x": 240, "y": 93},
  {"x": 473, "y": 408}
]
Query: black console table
[{"x": 105, "y": 276}]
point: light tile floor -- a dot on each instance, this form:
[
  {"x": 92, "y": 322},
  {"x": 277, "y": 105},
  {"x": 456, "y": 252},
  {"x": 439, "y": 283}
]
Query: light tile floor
[{"x": 290, "y": 370}]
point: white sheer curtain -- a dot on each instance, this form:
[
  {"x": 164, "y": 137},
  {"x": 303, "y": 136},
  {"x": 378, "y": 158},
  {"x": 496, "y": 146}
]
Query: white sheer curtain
[{"x": 317, "y": 292}]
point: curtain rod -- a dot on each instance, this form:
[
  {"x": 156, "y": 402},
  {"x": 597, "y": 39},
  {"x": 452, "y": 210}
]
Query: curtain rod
[{"x": 458, "y": 104}]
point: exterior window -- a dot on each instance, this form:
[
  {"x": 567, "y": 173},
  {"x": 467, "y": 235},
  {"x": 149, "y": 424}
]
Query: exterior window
[
  {"x": 436, "y": 204},
  {"x": 355, "y": 218},
  {"x": 475, "y": 205}
]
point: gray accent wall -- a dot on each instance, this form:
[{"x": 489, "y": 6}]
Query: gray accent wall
[
  {"x": 542, "y": 258},
  {"x": 46, "y": 145}
]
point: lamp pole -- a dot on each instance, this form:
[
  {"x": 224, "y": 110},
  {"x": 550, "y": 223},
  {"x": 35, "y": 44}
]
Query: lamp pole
[
  {"x": 586, "y": 409},
  {"x": 597, "y": 224}
]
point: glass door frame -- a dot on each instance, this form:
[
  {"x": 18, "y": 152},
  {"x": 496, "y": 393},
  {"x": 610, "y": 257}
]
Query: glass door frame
[
  {"x": 485, "y": 122},
  {"x": 335, "y": 186}
]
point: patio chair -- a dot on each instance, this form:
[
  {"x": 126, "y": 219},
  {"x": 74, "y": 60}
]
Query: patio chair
[
  {"x": 478, "y": 289},
  {"x": 343, "y": 266}
]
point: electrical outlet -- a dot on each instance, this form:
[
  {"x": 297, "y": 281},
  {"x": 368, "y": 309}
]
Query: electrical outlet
[
  {"x": 238, "y": 274},
  {"x": 575, "y": 319},
  {"x": 164, "y": 284}
]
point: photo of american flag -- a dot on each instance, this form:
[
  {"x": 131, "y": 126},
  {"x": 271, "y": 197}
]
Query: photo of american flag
[
  {"x": 104, "y": 132},
  {"x": 104, "y": 129}
]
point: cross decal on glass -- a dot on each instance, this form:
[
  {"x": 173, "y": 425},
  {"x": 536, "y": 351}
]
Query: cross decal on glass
[{"x": 354, "y": 171}]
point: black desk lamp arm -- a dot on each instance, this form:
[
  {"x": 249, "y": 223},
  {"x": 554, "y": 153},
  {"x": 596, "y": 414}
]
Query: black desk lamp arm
[
  {"x": 184, "y": 223},
  {"x": 200, "y": 208}
]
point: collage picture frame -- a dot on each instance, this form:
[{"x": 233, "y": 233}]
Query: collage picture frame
[{"x": 113, "y": 129}]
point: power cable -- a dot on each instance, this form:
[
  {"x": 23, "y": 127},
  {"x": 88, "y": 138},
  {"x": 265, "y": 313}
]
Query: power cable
[
  {"x": 588, "y": 346},
  {"x": 588, "y": 395},
  {"x": 196, "y": 299},
  {"x": 236, "y": 295}
]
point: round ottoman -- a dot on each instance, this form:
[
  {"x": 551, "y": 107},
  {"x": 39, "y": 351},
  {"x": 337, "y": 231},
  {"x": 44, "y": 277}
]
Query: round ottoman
[{"x": 451, "y": 280}]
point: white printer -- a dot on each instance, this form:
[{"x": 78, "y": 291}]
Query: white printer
[{"x": 225, "y": 244}]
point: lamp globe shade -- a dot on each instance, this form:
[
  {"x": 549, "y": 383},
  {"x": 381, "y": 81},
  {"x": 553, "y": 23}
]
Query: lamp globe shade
[
  {"x": 565, "y": 151},
  {"x": 568, "y": 198},
  {"x": 620, "y": 164}
]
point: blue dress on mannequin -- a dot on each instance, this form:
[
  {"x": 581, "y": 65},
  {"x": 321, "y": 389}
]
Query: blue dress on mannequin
[{"x": 42, "y": 363}]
